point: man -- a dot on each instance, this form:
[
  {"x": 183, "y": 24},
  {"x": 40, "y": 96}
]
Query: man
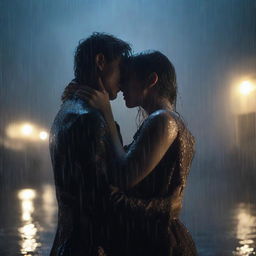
[
  {"x": 79, "y": 149},
  {"x": 81, "y": 155}
]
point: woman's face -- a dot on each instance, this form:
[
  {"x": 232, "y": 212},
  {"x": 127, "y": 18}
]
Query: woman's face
[{"x": 133, "y": 91}]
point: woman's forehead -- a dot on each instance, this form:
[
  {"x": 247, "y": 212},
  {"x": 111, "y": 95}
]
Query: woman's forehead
[{"x": 129, "y": 74}]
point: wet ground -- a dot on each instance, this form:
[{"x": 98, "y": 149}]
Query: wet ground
[
  {"x": 221, "y": 225},
  {"x": 28, "y": 221}
]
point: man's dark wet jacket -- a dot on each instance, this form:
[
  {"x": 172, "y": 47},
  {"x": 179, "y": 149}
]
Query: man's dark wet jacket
[{"x": 79, "y": 150}]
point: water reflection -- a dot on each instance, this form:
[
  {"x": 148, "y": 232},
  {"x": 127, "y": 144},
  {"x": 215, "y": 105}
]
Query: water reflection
[
  {"x": 29, "y": 218},
  {"x": 246, "y": 229},
  {"x": 28, "y": 230},
  {"x": 49, "y": 205}
]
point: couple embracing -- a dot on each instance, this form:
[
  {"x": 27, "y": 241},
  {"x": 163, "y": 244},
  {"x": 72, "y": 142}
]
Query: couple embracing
[{"x": 113, "y": 199}]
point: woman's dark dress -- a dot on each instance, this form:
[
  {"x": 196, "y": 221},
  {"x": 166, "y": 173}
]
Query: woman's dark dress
[{"x": 156, "y": 232}]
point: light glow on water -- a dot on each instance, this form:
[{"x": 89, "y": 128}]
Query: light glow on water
[
  {"x": 49, "y": 204},
  {"x": 27, "y": 209},
  {"x": 27, "y": 194},
  {"x": 245, "y": 231},
  {"x": 28, "y": 230}
]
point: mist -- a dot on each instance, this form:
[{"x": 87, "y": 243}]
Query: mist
[{"x": 212, "y": 45}]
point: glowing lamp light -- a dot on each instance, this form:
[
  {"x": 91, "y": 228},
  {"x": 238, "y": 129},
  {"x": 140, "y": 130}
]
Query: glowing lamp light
[
  {"x": 43, "y": 135},
  {"x": 27, "y": 129},
  {"x": 246, "y": 88},
  {"x": 26, "y": 132},
  {"x": 27, "y": 194}
]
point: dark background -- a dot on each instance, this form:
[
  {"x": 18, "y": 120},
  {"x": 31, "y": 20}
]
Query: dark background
[{"x": 212, "y": 44}]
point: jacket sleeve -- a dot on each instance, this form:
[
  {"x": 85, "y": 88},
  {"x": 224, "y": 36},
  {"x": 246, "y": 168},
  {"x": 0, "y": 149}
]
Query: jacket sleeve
[
  {"x": 88, "y": 144},
  {"x": 165, "y": 207}
]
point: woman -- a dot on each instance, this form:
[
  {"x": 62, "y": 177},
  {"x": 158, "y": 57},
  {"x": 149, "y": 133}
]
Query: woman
[{"x": 157, "y": 162}]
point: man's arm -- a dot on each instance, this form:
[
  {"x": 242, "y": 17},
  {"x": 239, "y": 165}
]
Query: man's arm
[
  {"x": 88, "y": 140},
  {"x": 165, "y": 207}
]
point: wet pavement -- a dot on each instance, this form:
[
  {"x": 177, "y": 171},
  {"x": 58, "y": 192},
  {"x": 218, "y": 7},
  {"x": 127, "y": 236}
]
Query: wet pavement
[{"x": 220, "y": 227}]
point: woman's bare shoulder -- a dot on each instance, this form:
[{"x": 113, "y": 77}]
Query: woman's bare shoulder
[
  {"x": 160, "y": 123},
  {"x": 163, "y": 117}
]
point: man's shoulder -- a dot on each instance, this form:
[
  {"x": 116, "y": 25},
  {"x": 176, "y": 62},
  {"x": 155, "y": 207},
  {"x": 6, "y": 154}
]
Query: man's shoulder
[
  {"x": 77, "y": 112},
  {"x": 91, "y": 119}
]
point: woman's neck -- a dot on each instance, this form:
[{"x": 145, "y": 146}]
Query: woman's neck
[{"x": 156, "y": 104}]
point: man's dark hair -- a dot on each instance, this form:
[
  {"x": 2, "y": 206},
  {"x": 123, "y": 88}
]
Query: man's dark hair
[{"x": 111, "y": 47}]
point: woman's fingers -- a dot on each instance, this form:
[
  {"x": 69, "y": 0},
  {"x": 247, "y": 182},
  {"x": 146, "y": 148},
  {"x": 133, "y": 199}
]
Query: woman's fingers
[
  {"x": 91, "y": 90},
  {"x": 96, "y": 98},
  {"x": 84, "y": 95},
  {"x": 101, "y": 85},
  {"x": 87, "y": 89}
]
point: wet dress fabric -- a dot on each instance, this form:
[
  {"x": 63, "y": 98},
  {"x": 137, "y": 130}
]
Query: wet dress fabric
[
  {"x": 150, "y": 226},
  {"x": 123, "y": 223}
]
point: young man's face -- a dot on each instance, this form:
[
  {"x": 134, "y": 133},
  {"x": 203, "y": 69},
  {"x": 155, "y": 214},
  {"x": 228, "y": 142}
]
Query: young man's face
[
  {"x": 133, "y": 90},
  {"x": 111, "y": 77}
]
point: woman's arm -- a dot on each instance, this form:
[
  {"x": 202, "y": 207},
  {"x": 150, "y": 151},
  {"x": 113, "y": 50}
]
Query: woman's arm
[{"x": 157, "y": 134}]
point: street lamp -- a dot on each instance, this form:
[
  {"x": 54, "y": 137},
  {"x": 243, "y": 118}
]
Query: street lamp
[
  {"x": 27, "y": 129},
  {"x": 246, "y": 87},
  {"x": 26, "y": 132},
  {"x": 43, "y": 135}
]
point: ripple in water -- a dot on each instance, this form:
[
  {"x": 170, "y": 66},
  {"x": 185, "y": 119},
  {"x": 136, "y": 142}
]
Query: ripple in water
[
  {"x": 245, "y": 218},
  {"x": 28, "y": 231}
]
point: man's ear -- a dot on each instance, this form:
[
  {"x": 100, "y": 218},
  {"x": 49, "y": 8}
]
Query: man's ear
[
  {"x": 152, "y": 80},
  {"x": 100, "y": 61}
]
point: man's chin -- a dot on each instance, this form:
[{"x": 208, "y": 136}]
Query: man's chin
[
  {"x": 112, "y": 97},
  {"x": 129, "y": 105}
]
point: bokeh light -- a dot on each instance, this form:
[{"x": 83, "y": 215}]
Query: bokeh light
[
  {"x": 26, "y": 132},
  {"x": 27, "y": 129},
  {"x": 28, "y": 230},
  {"x": 246, "y": 87},
  {"x": 43, "y": 135}
]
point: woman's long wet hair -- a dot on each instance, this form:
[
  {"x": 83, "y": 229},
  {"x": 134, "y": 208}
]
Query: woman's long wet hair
[{"x": 144, "y": 64}]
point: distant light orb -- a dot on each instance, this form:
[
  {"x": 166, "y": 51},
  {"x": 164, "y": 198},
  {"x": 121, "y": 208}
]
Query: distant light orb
[
  {"x": 43, "y": 135},
  {"x": 246, "y": 88},
  {"x": 27, "y": 194},
  {"x": 27, "y": 129}
]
